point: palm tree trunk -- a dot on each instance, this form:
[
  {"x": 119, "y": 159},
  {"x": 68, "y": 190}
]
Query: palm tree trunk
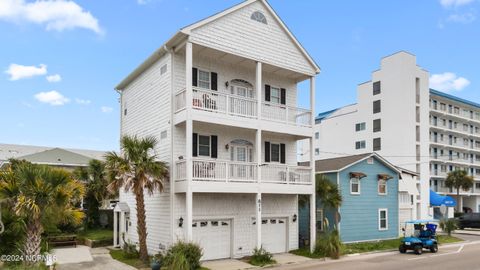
[
  {"x": 336, "y": 218},
  {"x": 33, "y": 240},
  {"x": 141, "y": 225}
]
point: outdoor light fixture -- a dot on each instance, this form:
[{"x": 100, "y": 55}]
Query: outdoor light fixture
[
  {"x": 294, "y": 218},
  {"x": 227, "y": 146},
  {"x": 226, "y": 84},
  {"x": 180, "y": 222}
]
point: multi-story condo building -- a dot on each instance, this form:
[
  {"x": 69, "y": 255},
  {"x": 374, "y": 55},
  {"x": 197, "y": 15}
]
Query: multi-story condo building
[
  {"x": 390, "y": 118},
  {"x": 221, "y": 97},
  {"x": 414, "y": 127},
  {"x": 455, "y": 144}
]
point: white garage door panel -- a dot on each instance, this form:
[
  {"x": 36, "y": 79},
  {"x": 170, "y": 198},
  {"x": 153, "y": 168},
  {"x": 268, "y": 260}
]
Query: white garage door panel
[
  {"x": 274, "y": 235},
  {"x": 214, "y": 236}
]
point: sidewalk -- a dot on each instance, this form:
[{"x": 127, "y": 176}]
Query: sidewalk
[
  {"x": 468, "y": 232},
  {"x": 232, "y": 264}
]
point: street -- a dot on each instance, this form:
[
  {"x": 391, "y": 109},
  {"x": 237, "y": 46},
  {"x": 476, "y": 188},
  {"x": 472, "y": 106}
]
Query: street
[{"x": 463, "y": 256}]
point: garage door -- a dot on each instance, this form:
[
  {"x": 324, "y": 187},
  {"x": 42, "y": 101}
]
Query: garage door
[
  {"x": 214, "y": 236},
  {"x": 274, "y": 235}
]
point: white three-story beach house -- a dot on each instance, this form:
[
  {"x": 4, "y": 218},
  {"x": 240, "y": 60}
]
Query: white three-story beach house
[{"x": 221, "y": 98}]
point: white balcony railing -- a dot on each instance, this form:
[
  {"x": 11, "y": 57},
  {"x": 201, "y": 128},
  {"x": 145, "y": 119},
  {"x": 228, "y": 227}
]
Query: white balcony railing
[
  {"x": 235, "y": 105},
  {"x": 290, "y": 115},
  {"x": 227, "y": 171}
]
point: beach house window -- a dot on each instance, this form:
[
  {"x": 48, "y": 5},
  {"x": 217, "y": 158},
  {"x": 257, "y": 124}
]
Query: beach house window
[
  {"x": 377, "y": 125},
  {"x": 317, "y": 135},
  {"x": 275, "y": 95},
  {"x": 163, "y": 69},
  {"x": 382, "y": 187},
  {"x": 319, "y": 221},
  {"x": 204, "y": 145},
  {"x": 317, "y": 151},
  {"x": 377, "y": 144},
  {"x": 259, "y": 17},
  {"x": 275, "y": 152},
  {"x": 382, "y": 219},
  {"x": 204, "y": 79},
  {"x": 354, "y": 185}
]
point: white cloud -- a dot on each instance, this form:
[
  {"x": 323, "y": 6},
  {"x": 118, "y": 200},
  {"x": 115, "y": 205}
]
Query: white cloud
[
  {"x": 454, "y": 3},
  {"x": 447, "y": 82},
  {"x": 18, "y": 72},
  {"x": 83, "y": 101},
  {"x": 462, "y": 17},
  {"x": 106, "y": 109},
  {"x": 56, "y": 15},
  {"x": 53, "y": 98},
  {"x": 54, "y": 78}
]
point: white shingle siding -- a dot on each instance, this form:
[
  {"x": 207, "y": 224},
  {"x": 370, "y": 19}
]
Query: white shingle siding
[
  {"x": 240, "y": 35},
  {"x": 157, "y": 211},
  {"x": 147, "y": 100}
]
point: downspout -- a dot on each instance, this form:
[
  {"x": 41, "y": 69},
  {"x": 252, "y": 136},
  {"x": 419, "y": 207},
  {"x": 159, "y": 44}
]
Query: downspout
[{"x": 172, "y": 165}]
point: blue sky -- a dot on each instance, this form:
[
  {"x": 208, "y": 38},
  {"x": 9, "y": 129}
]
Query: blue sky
[{"x": 85, "y": 48}]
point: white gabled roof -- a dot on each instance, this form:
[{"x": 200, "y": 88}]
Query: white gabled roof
[{"x": 186, "y": 31}]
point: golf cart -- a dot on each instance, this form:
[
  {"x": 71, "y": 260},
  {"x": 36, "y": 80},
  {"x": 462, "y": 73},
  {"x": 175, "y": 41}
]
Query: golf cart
[{"x": 423, "y": 236}]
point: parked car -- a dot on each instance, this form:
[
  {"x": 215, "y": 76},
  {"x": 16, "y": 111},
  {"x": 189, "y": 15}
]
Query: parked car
[{"x": 469, "y": 220}]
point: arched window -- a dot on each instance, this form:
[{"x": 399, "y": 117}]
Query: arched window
[{"x": 259, "y": 17}]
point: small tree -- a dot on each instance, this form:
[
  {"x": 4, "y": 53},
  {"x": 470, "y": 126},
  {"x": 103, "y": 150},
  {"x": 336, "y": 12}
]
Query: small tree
[
  {"x": 329, "y": 194},
  {"x": 40, "y": 196},
  {"x": 459, "y": 179},
  {"x": 448, "y": 225},
  {"x": 96, "y": 183},
  {"x": 137, "y": 170}
]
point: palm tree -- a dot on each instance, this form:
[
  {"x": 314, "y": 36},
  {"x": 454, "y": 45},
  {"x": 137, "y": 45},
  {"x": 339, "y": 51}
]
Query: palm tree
[
  {"x": 137, "y": 170},
  {"x": 40, "y": 196},
  {"x": 96, "y": 189},
  {"x": 329, "y": 194},
  {"x": 459, "y": 179}
]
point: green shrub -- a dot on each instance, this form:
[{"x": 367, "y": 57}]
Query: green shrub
[
  {"x": 261, "y": 257},
  {"x": 183, "y": 254},
  {"x": 448, "y": 225},
  {"x": 329, "y": 245},
  {"x": 130, "y": 251}
]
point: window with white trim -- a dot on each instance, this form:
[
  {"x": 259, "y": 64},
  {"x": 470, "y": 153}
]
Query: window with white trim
[
  {"x": 382, "y": 187},
  {"x": 382, "y": 219},
  {"x": 354, "y": 185},
  {"x": 317, "y": 151},
  {"x": 259, "y": 17},
  {"x": 319, "y": 221},
  {"x": 275, "y": 95},
  {"x": 274, "y": 152},
  {"x": 203, "y": 145},
  {"x": 360, "y": 126},
  {"x": 317, "y": 135},
  {"x": 204, "y": 79},
  {"x": 360, "y": 145}
]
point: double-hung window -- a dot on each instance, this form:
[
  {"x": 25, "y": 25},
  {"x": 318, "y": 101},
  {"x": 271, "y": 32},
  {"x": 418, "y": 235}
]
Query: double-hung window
[
  {"x": 360, "y": 126},
  {"x": 354, "y": 185},
  {"x": 382, "y": 187},
  {"x": 382, "y": 219},
  {"x": 360, "y": 145},
  {"x": 275, "y": 152},
  {"x": 275, "y": 95},
  {"x": 204, "y": 145},
  {"x": 204, "y": 79}
]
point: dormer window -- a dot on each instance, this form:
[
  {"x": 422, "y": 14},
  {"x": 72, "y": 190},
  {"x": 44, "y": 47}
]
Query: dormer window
[{"x": 259, "y": 17}]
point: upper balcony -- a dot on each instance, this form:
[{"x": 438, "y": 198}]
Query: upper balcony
[
  {"x": 212, "y": 175},
  {"x": 243, "y": 107},
  {"x": 227, "y": 89}
]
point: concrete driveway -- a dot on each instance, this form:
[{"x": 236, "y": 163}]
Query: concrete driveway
[{"x": 76, "y": 259}]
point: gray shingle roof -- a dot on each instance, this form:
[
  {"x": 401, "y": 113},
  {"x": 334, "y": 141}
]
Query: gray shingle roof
[
  {"x": 335, "y": 164},
  {"x": 57, "y": 156}
]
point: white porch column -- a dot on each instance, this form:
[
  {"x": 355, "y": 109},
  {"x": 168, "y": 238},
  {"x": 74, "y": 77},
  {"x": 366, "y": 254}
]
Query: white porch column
[
  {"x": 115, "y": 229},
  {"x": 258, "y": 217},
  {"x": 313, "y": 208},
  {"x": 258, "y": 85},
  {"x": 189, "y": 135}
]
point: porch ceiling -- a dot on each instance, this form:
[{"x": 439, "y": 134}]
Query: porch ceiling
[{"x": 245, "y": 62}]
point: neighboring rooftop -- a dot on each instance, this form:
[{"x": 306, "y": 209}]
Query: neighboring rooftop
[
  {"x": 44, "y": 154},
  {"x": 335, "y": 164},
  {"x": 461, "y": 100},
  {"x": 323, "y": 115}
]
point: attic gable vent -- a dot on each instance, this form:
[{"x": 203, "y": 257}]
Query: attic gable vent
[{"x": 259, "y": 17}]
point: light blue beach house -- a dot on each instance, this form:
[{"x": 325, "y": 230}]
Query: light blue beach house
[{"x": 369, "y": 187}]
